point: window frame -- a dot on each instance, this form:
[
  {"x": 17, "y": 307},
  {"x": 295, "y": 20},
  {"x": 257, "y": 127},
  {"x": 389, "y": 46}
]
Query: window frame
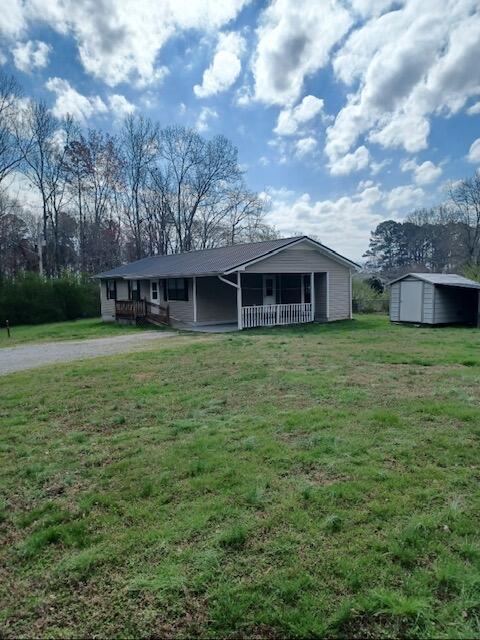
[
  {"x": 111, "y": 292},
  {"x": 180, "y": 294},
  {"x": 156, "y": 291},
  {"x": 131, "y": 290}
]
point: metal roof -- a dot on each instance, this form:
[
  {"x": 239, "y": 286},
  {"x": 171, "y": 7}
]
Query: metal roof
[
  {"x": 443, "y": 279},
  {"x": 210, "y": 261}
]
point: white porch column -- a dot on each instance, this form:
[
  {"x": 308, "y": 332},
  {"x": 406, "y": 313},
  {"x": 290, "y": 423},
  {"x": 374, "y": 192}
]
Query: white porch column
[
  {"x": 351, "y": 299},
  {"x": 194, "y": 294},
  {"x": 239, "y": 300},
  {"x": 312, "y": 294},
  {"x": 327, "y": 304}
]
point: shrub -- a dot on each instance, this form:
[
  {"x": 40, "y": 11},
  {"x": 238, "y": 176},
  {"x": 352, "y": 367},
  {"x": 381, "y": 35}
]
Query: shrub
[
  {"x": 367, "y": 299},
  {"x": 472, "y": 271},
  {"x": 30, "y": 299}
]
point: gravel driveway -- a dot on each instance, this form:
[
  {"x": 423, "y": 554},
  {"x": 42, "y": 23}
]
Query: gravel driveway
[{"x": 37, "y": 355}]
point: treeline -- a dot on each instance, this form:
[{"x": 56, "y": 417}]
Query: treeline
[
  {"x": 445, "y": 238},
  {"x": 97, "y": 199}
]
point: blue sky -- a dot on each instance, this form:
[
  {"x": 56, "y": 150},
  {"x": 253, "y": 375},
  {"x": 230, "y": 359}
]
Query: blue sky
[{"x": 344, "y": 113}]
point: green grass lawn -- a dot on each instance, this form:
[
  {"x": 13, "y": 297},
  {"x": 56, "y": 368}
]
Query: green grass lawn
[
  {"x": 72, "y": 330},
  {"x": 318, "y": 480}
]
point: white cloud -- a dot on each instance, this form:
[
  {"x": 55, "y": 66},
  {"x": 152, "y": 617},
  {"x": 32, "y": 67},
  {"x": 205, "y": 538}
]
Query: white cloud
[
  {"x": 31, "y": 55},
  {"x": 205, "y": 115},
  {"x": 364, "y": 184},
  {"x": 404, "y": 196},
  {"x": 474, "y": 109},
  {"x": 12, "y": 20},
  {"x": 350, "y": 162},
  {"x": 343, "y": 224},
  {"x": 404, "y": 66},
  {"x": 120, "y": 106},
  {"x": 474, "y": 152},
  {"x": 120, "y": 41},
  {"x": 225, "y": 67},
  {"x": 70, "y": 102},
  {"x": 290, "y": 119},
  {"x": 295, "y": 38},
  {"x": 424, "y": 173},
  {"x": 376, "y": 167},
  {"x": 305, "y": 146}
]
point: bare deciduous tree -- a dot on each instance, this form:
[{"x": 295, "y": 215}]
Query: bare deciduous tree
[
  {"x": 465, "y": 205},
  {"x": 139, "y": 144},
  {"x": 10, "y": 154}
]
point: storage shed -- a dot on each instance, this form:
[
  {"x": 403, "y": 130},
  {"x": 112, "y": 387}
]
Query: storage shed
[{"x": 435, "y": 298}]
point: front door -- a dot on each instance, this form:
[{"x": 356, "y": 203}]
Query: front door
[{"x": 269, "y": 290}]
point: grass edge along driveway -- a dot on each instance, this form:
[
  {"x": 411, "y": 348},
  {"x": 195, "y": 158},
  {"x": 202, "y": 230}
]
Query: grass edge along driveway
[{"x": 70, "y": 330}]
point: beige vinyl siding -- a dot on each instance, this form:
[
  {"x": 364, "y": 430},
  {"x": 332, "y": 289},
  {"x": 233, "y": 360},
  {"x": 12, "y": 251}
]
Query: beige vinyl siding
[
  {"x": 339, "y": 294},
  {"x": 122, "y": 290},
  {"x": 180, "y": 310},
  {"x": 107, "y": 307},
  {"x": 428, "y": 303},
  {"x": 395, "y": 302},
  {"x": 303, "y": 258},
  {"x": 320, "y": 296},
  {"x": 216, "y": 301}
]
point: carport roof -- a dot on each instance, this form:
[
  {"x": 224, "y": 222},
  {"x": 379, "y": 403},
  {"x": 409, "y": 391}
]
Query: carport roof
[{"x": 443, "y": 279}]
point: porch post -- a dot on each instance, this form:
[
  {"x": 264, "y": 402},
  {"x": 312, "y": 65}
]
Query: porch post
[
  {"x": 312, "y": 294},
  {"x": 194, "y": 294},
  {"x": 351, "y": 294},
  {"x": 239, "y": 300},
  {"x": 327, "y": 284}
]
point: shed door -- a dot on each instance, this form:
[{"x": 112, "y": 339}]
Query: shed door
[{"x": 411, "y": 301}]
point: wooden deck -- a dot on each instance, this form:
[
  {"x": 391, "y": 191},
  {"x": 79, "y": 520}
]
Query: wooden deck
[{"x": 141, "y": 311}]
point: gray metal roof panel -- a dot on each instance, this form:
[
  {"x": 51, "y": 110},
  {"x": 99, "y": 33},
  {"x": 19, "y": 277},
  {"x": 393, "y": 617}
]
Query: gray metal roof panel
[
  {"x": 444, "y": 279},
  {"x": 203, "y": 262}
]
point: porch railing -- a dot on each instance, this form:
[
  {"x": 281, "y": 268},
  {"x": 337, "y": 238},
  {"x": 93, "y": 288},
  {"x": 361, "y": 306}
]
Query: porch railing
[
  {"x": 157, "y": 312},
  {"x": 130, "y": 308},
  {"x": 269, "y": 315}
]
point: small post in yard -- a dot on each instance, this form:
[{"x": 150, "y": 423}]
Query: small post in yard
[{"x": 7, "y": 324}]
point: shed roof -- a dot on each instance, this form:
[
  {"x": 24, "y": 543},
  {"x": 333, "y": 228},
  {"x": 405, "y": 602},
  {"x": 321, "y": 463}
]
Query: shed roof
[
  {"x": 443, "y": 279},
  {"x": 211, "y": 261}
]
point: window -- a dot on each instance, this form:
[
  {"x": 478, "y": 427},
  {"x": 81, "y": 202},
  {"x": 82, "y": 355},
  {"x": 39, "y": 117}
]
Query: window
[
  {"x": 111, "y": 289},
  {"x": 154, "y": 289},
  {"x": 177, "y": 289},
  {"x": 133, "y": 290}
]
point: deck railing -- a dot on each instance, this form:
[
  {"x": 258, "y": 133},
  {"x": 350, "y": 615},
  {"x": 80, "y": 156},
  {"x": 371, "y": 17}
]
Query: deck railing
[
  {"x": 157, "y": 312},
  {"x": 269, "y": 315},
  {"x": 130, "y": 308}
]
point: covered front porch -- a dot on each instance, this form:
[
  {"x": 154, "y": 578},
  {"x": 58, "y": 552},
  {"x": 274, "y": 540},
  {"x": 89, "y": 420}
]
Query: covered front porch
[
  {"x": 275, "y": 299},
  {"x": 266, "y": 299},
  {"x": 233, "y": 301}
]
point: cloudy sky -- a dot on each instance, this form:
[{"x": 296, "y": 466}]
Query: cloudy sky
[{"x": 345, "y": 113}]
